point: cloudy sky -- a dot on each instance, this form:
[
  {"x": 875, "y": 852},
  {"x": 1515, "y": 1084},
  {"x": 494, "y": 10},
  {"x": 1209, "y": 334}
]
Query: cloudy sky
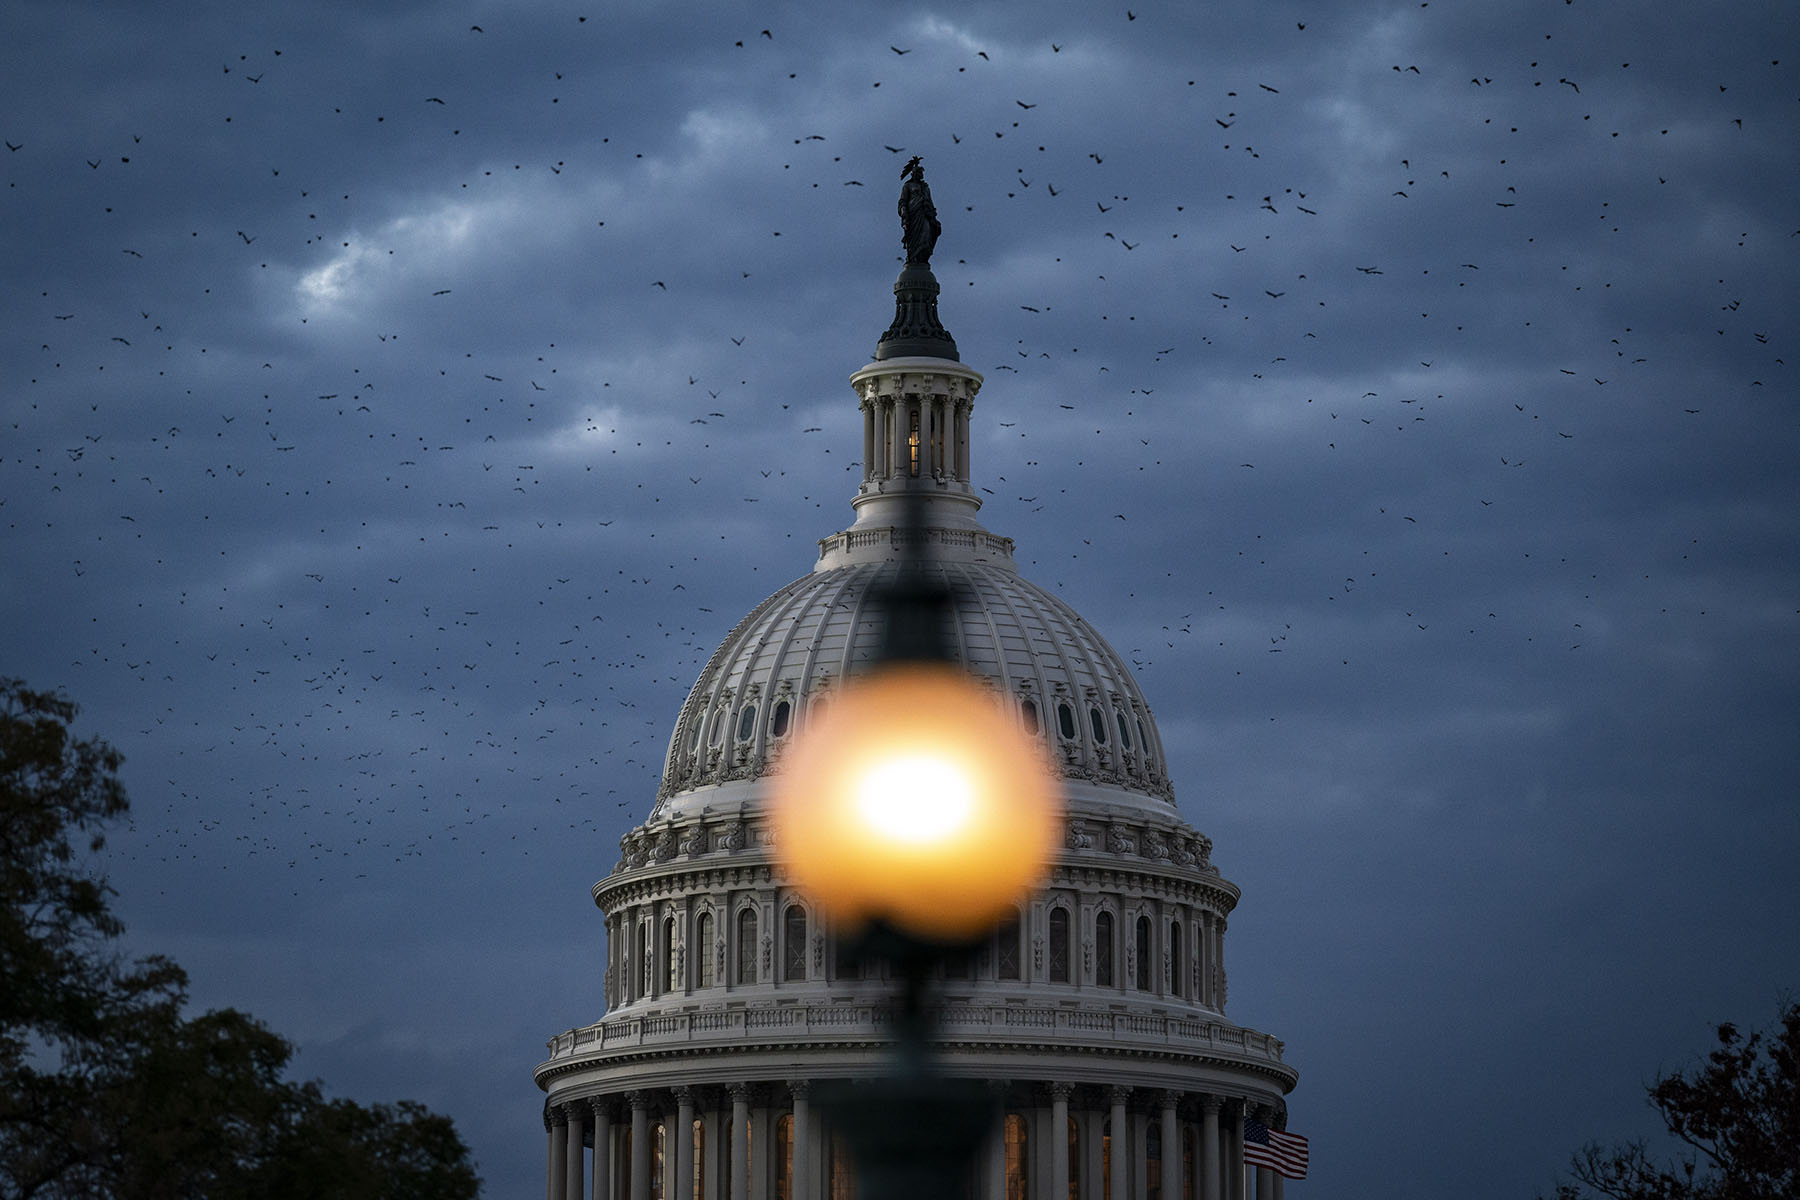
[{"x": 401, "y": 401}]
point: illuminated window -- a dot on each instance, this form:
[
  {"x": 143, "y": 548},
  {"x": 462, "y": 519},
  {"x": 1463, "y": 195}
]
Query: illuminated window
[
  {"x": 699, "y": 1159},
  {"x": 784, "y": 1157},
  {"x": 1018, "y": 1158},
  {"x": 1074, "y": 1160},
  {"x": 912, "y": 444},
  {"x": 1187, "y": 1163},
  {"x": 843, "y": 1181}
]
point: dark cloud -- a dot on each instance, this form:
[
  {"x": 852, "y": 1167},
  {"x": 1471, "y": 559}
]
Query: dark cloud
[{"x": 396, "y": 422}]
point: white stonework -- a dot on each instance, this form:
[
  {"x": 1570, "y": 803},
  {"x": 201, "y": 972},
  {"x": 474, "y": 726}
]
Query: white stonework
[{"x": 725, "y": 997}]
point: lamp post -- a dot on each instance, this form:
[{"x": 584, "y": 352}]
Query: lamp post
[{"x": 917, "y": 813}]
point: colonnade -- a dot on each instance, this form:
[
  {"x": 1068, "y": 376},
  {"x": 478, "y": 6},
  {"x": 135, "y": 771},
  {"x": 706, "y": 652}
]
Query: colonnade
[
  {"x": 767, "y": 1142},
  {"x": 925, "y": 436}
]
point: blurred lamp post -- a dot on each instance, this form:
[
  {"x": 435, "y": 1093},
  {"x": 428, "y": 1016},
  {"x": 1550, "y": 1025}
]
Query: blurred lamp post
[{"x": 917, "y": 814}]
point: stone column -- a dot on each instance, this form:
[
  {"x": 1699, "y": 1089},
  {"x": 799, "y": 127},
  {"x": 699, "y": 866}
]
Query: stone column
[
  {"x": 927, "y": 411},
  {"x": 640, "y": 1146},
  {"x": 740, "y": 1142},
  {"x": 762, "y": 1146},
  {"x": 800, "y": 1146},
  {"x": 868, "y": 424},
  {"x": 1234, "y": 1152},
  {"x": 556, "y": 1122},
  {"x": 962, "y": 440},
  {"x": 684, "y": 1144},
  {"x": 1121, "y": 1143},
  {"x": 1208, "y": 1166},
  {"x": 996, "y": 1163},
  {"x": 603, "y": 1163},
  {"x": 1171, "y": 1148},
  {"x": 1059, "y": 1142},
  {"x": 572, "y": 1163}
]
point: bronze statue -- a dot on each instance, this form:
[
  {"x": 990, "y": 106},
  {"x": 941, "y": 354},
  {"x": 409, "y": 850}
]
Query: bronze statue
[{"x": 919, "y": 226}]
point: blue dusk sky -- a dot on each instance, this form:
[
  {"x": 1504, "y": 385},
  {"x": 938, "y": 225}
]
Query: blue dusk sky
[{"x": 400, "y": 401}]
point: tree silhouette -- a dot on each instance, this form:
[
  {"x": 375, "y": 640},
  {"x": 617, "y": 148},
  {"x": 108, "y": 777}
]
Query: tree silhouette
[
  {"x": 1739, "y": 1115},
  {"x": 106, "y": 1088}
]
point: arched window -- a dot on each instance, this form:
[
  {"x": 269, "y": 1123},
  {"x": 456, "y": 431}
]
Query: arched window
[
  {"x": 703, "y": 950},
  {"x": 1098, "y": 724},
  {"x": 784, "y": 1157},
  {"x": 778, "y": 725},
  {"x": 746, "y": 723},
  {"x": 641, "y": 965},
  {"x": 1065, "y": 720},
  {"x": 1103, "y": 950},
  {"x": 1018, "y": 1158},
  {"x": 1143, "y": 954},
  {"x": 1175, "y": 958},
  {"x": 793, "y": 943},
  {"x": 671, "y": 960},
  {"x": 746, "y": 946},
  {"x": 843, "y": 1179},
  {"x": 1006, "y": 950},
  {"x": 699, "y": 1159},
  {"x": 1059, "y": 945},
  {"x": 659, "y": 1140}
]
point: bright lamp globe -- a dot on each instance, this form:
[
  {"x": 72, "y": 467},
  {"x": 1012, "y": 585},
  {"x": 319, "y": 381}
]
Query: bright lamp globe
[{"x": 915, "y": 797}]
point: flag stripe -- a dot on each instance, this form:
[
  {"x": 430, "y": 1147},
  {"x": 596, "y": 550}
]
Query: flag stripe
[{"x": 1284, "y": 1153}]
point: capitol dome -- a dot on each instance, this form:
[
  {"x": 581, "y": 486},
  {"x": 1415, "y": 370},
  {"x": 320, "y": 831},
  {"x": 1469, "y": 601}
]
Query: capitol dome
[{"x": 1097, "y": 1013}]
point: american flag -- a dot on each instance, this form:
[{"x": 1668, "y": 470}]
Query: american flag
[{"x": 1284, "y": 1152}]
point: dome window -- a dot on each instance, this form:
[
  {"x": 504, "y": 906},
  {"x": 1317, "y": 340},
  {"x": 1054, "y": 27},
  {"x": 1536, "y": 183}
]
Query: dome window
[
  {"x": 746, "y": 723},
  {"x": 1143, "y": 954},
  {"x": 1103, "y": 949},
  {"x": 1028, "y": 715},
  {"x": 1059, "y": 945},
  {"x": 703, "y": 950},
  {"x": 793, "y": 943},
  {"x": 1098, "y": 723},
  {"x": 1142, "y": 740},
  {"x": 778, "y": 725},
  {"x": 1065, "y": 720},
  {"x": 718, "y": 727},
  {"x": 746, "y": 945},
  {"x": 1124, "y": 729}
]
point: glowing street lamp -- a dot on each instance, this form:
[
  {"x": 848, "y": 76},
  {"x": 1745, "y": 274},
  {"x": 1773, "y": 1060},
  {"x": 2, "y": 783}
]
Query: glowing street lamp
[{"x": 918, "y": 802}]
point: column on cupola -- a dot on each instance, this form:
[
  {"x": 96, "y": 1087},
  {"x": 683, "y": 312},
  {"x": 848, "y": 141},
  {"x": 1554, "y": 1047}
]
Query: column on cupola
[
  {"x": 603, "y": 1164},
  {"x": 556, "y": 1126},
  {"x": 868, "y": 442},
  {"x": 926, "y": 413},
  {"x": 572, "y": 1163},
  {"x": 962, "y": 441}
]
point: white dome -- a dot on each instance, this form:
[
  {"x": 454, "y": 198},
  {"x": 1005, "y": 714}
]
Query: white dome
[{"x": 1059, "y": 675}]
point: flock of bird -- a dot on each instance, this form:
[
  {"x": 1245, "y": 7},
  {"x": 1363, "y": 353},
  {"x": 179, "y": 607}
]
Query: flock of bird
[{"x": 363, "y": 600}]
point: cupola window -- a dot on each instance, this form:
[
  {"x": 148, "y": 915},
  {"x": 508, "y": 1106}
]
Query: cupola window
[{"x": 912, "y": 444}]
